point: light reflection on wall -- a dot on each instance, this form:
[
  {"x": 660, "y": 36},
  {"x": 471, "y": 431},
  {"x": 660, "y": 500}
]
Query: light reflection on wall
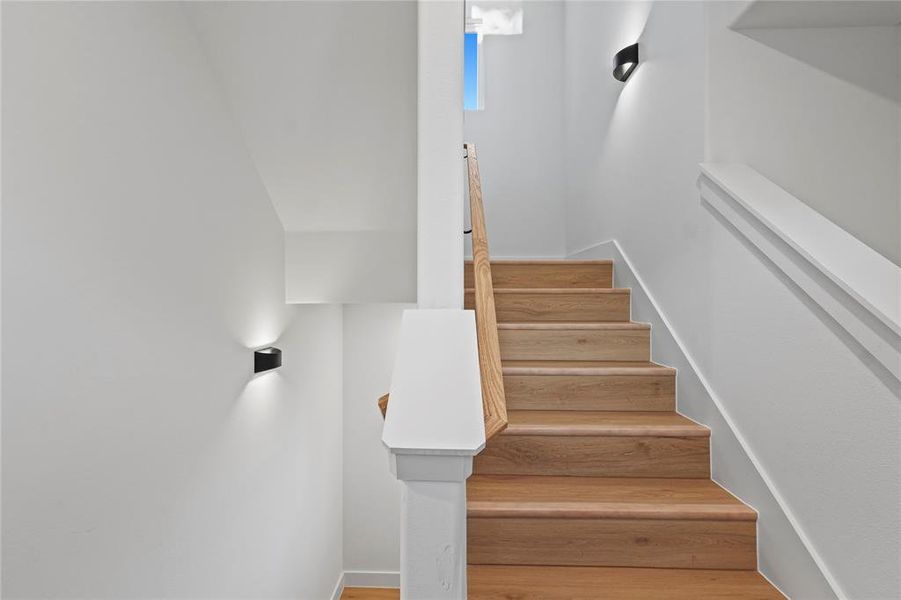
[
  {"x": 259, "y": 402},
  {"x": 264, "y": 325}
]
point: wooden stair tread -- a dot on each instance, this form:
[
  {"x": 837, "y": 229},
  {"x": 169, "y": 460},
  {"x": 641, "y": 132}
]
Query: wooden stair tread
[
  {"x": 552, "y": 291},
  {"x": 505, "y": 582},
  {"x": 595, "y": 422},
  {"x": 565, "y": 326},
  {"x": 584, "y": 367},
  {"x": 602, "y": 497},
  {"x": 548, "y": 261}
]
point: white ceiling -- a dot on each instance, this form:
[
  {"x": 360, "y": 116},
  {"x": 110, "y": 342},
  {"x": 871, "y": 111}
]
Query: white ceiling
[{"x": 819, "y": 13}]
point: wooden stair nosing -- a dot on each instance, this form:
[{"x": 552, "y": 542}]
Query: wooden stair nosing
[
  {"x": 603, "y": 497},
  {"x": 556, "y": 291},
  {"x": 623, "y": 510},
  {"x": 566, "y": 262},
  {"x": 576, "y": 326},
  {"x": 573, "y": 367},
  {"x": 602, "y": 424},
  {"x": 668, "y": 495}
]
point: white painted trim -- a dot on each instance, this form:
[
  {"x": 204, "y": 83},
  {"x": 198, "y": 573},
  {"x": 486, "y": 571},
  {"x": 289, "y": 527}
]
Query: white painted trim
[
  {"x": 365, "y": 579},
  {"x": 866, "y": 275},
  {"x": 687, "y": 366},
  {"x": 436, "y": 390},
  {"x": 854, "y": 284},
  {"x": 339, "y": 587},
  {"x": 372, "y": 579}
]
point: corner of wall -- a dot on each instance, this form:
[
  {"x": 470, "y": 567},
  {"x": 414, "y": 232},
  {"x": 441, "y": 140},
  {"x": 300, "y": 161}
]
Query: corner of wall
[{"x": 339, "y": 588}]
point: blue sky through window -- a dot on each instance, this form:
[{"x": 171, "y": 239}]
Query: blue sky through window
[{"x": 471, "y": 71}]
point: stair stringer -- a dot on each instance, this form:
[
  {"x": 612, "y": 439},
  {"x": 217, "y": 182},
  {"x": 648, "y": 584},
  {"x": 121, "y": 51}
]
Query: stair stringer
[{"x": 786, "y": 556}]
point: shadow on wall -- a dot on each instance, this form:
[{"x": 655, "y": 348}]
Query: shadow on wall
[
  {"x": 863, "y": 56},
  {"x": 851, "y": 343}
]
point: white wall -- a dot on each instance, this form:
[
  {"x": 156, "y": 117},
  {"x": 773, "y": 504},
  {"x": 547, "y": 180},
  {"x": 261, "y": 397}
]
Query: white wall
[
  {"x": 823, "y": 425},
  {"x": 141, "y": 260},
  {"x": 816, "y": 111},
  {"x": 519, "y": 136},
  {"x": 372, "y": 495},
  {"x": 439, "y": 148},
  {"x": 325, "y": 94}
]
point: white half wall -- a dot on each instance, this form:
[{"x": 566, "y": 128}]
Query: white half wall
[
  {"x": 821, "y": 419},
  {"x": 519, "y": 136},
  {"x": 142, "y": 260}
]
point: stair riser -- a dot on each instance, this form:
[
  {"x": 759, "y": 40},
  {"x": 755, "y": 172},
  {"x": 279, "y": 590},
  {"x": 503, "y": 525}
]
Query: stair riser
[
  {"x": 575, "y": 344},
  {"x": 553, "y": 275},
  {"x": 529, "y": 307},
  {"x": 684, "y": 544},
  {"x": 590, "y": 392},
  {"x": 595, "y": 456},
  {"x": 504, "y": 582}
]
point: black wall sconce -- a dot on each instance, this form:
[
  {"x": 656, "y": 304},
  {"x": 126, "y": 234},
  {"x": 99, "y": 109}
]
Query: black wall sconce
[
  {"x": 266, "y": 358},
  {"x": 624, "y": 62}
]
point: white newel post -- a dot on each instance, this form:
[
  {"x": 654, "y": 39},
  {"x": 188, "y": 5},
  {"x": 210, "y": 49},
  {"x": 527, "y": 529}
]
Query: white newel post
[
  {"x": 433, "y": 428},
  {"x": 433, "y": 534}
]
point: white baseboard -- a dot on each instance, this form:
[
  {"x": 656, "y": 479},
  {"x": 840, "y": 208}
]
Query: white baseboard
[
  {"x": 787, "y": 557},
  {"x": 339, "y": 588},
  {"x": 370, "y": 579},
  {"x": 383, "y": 579}
]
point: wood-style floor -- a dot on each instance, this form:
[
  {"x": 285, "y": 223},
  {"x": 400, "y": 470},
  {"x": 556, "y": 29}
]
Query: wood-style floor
[
  {"x": 599, "y": 583},
  {"x": 358, "y": 593}
]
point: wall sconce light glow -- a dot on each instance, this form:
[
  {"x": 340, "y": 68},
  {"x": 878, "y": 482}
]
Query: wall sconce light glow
[
  {"x": 265, "y": 359},
  {"x": 624, "y": 62}
]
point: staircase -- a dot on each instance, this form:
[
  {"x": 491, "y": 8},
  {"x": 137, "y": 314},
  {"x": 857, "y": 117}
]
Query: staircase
[
  {"x": 590, "y": 486},
  {"x": 597, "y": 488}
]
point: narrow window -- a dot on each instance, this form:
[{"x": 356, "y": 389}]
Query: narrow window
[{"x": 471, "y": 93}]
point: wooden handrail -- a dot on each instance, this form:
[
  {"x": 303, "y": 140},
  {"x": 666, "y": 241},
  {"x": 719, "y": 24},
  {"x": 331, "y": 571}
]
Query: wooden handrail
[{"x": 494, "y": 404}]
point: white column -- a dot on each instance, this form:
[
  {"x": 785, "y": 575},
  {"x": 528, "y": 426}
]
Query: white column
[{"x": 440, "y": 155}]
